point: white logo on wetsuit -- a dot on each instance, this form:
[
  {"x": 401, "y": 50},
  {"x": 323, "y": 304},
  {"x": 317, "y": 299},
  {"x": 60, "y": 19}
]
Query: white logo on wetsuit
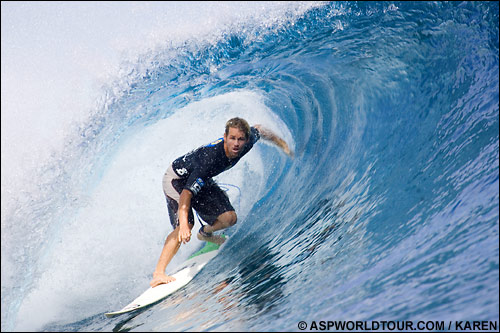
[
  {"x": 181, "y": 172},
  {"x": 196, "y": 187}
]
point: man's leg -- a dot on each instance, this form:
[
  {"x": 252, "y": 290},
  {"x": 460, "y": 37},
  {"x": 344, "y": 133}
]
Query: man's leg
[
  {"x": 172, "y": 243},
  {"x": 170, "y": 248},
  {"x": 223, "y": 221},
  {"x": 213, "y": 207}
]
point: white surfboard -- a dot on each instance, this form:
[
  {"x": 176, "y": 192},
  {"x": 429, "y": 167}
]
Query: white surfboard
[{"x": 183, "y": 276}]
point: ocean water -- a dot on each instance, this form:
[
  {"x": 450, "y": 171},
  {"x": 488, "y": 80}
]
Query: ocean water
[{"x": 389, "y": 210}]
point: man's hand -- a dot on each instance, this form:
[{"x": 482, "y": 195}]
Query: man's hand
[
  {"x": 184, "y": 233},
  {"x": 287, "y": 150}
]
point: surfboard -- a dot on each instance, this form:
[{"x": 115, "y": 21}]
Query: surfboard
[{"x": 184, "y": 275}]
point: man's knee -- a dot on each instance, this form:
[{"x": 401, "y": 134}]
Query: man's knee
[
  {"x": 229, "y": 218},
  {"x": 234, "y": 218}
]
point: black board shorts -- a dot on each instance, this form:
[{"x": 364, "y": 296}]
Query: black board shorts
[{"x": 210, "y": 202}]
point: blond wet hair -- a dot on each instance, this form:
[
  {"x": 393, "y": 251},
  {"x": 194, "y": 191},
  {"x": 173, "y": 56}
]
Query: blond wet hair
[{"x": 240, "y": 124}]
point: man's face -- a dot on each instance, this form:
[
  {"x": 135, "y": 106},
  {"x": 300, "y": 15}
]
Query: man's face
[{"x": 234, "y": 142}]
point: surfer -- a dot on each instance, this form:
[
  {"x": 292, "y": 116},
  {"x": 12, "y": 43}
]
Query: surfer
[{"x": 188, "y": 184}]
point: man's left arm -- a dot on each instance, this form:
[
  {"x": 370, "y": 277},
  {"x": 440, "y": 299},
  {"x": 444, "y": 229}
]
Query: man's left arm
[{"x": 269, "y": 135}]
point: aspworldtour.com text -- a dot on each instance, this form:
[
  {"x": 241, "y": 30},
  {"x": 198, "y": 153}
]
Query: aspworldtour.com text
[{"x": 407, "y": 325}]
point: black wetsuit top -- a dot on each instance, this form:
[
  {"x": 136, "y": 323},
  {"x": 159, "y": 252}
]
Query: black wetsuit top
[{"x": 197, "y": 167}]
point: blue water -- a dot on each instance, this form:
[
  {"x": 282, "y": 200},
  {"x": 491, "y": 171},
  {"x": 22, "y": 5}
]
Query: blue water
[{"x": 388, "y": 211}]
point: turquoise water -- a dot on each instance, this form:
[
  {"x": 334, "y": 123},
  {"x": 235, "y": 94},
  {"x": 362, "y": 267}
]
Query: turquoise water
[{"x": 389, "y": 210}]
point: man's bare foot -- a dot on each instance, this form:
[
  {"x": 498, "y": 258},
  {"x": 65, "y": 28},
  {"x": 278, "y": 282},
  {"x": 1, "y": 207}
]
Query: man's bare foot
[
  {"x": 160, "y": 278},
  {"x": 210, "y": 237}
]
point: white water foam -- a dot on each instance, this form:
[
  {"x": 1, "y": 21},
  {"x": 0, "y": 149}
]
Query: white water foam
[
  {"x": 56, "y": 57},
  {"x": 58, "y": 61}
]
